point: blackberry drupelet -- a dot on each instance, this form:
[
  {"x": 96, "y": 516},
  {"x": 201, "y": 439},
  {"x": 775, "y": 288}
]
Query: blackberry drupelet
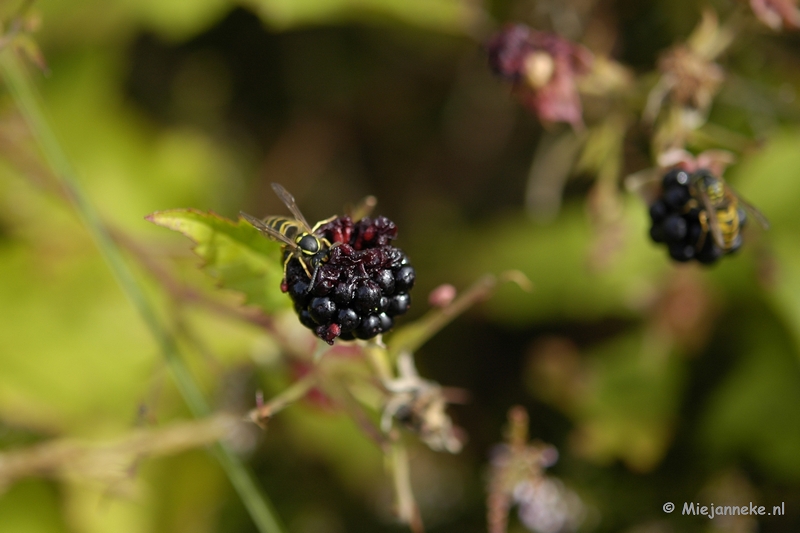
[{"x": 361, "y": 287}]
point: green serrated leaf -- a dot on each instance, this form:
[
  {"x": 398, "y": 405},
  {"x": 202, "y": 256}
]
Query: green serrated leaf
[{"x": 235, "y": 253}]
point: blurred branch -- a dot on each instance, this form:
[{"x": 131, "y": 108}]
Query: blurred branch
[
  {"x": 552, "y": 163},
  {"x": 412, "y": 336},
  {"x": 24, "y": 94},
  {"x": 67, "y": 457},
  {"x": 407, "y": 509}
]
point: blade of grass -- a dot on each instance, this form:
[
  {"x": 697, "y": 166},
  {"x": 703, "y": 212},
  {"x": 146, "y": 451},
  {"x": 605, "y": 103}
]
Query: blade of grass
[{"x": 27, "y": 100}]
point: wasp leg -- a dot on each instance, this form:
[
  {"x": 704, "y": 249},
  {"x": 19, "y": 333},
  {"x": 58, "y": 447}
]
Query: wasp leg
[
  {"x": 322, "y": 223},
  {"x": 289, "y": 257},
  {"x": 701, "y": 240}
]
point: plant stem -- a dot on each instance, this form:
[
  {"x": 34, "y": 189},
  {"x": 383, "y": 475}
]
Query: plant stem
[
  {"x": 26, "y": 98},
  {"x": 294, "y": 392},
  {"x": 407, "y": 509}
]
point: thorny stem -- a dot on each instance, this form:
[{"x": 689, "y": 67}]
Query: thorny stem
[
  {"x": 26, "y": 99},
  {"x": 294, "y": 392}
]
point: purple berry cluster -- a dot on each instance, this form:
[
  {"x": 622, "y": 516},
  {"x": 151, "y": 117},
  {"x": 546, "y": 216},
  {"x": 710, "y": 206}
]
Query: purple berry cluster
[
  {"x": 676, "y": 218},
  {"x": 361, "y": 287}
]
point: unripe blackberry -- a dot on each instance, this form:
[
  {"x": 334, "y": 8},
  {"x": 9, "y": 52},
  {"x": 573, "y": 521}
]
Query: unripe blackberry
[{"x": 328, "y": 332}]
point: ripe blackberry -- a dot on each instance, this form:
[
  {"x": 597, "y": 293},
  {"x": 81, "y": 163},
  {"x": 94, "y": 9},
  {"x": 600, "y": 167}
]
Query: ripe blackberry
[
  {"x": 680, "y": 222},
  {"x": 362, "y": 285}
]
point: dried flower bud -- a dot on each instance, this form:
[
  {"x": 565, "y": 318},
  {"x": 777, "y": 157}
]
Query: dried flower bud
[
  {"x": 420, "y": 405},
  {"x": 777, "y": 14},
  {"x": 517, "y": 477},
  {"x": 714, "y": 160},
  {"x": 442, "y": 295},
  {"x": 692, "y": 79},
  {"x": 689, "y": 82},
  {"x": 543, "y": 69}
]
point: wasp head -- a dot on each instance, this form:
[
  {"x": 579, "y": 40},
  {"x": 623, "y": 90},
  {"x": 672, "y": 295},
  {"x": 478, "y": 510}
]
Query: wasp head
[
  {"x": 710, "y": 184},
  {"x": 308, "y": 243}
]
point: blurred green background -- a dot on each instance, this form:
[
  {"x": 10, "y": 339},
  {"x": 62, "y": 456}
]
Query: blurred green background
[{"x": 657, "y": 382}]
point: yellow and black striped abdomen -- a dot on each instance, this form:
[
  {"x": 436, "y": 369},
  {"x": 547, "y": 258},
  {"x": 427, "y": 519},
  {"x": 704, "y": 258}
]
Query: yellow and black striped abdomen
[
  {"x": 288, "y": 227},
  {"x": 728, "y": 220}
]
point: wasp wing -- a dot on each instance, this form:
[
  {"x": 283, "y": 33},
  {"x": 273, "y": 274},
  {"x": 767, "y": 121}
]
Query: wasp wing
[
  {"x": 762, "y": 220},
  {"x": 266, "y": 230},
  {"x": 289, "y": 201},
  {"x": 711, "y": 216},
  {"x": 646, "y": 183}
]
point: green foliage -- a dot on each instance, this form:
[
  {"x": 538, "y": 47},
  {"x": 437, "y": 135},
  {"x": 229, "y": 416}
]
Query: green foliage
[
  {"x": 769, "y": 180},
  {"x": 623, "y": 396},
  {"x": 630, "y": 408},
  {"x": 16, "y": 513},
  {"x": 556, "y": 258},
  {"x": 755, "y": 412},
  {"x": 442, "y": 15},
  {"x": 235, "y": 253},
  {"x": 76, "y": 360}
]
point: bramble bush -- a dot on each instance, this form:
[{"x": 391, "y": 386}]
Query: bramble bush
[{"x": 553, "y": 369}]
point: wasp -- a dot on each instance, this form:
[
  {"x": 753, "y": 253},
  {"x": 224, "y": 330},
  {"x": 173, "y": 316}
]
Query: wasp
[
  {"x": 694, "y": 188},
  {"x": 721, "y": 214},
  {"x": 299, "y": 239}
]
